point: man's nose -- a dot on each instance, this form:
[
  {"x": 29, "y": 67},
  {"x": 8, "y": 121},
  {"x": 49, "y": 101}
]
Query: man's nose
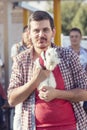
[{"x": 41, "y": 33}]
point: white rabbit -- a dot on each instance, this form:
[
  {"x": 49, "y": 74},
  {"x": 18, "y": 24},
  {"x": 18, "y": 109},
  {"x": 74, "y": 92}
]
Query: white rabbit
[{"x": 48, "y": 60}]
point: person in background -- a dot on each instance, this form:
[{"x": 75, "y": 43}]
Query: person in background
[
  {"x": 23, "y": 45},
  {"x": 1, "y": 66},
  {"x": 3, "y": 99},
  {"x": 16, "y": 49},
  {"x": 75, "y": 40},
  {"x": 39, "y": 111}
]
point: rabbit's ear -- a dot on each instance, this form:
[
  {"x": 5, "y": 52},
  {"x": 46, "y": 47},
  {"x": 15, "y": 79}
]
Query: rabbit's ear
[{"x": 55, "y": 49}]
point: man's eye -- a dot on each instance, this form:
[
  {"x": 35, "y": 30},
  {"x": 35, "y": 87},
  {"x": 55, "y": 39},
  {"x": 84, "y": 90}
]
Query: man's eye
[
  {"x": 36, "y": 31},
  {"x": 46, "y": 30}
]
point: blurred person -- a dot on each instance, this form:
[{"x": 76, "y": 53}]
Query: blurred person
[
  {"x": 1, "y": 66},
  {"x": 16, "y": 49},
  {"x": 75, "y": 40},
  {"x": 39, "y": 111},
  {"x": 23, "y": 45},
  {"x": 3, "y": 100}
]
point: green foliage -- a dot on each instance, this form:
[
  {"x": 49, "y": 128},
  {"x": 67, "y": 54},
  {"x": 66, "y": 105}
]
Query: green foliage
[
  {"x": 68, "y": 10},
  {"x": 73, "y": 14},
  {"x": 80, "y": 20},
  {"x": 50, "y": 6}
]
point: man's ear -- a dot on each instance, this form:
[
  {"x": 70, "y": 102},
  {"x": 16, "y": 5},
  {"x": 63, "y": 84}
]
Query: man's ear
[
  {"x": 22, "y": 37},
  {"x": 29, "y": 36},
  {"x": 28, "y": 31},
  {"x": 54, "y": 32}
]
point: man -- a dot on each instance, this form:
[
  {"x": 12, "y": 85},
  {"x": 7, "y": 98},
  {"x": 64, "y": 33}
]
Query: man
[
  {"x": 48, "y": 109},
  {"x": 16, "y": 49},
  {"x": 75, "y": 39}
]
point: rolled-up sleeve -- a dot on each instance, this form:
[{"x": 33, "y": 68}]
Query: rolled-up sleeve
[{"x": 16, "y": 79}]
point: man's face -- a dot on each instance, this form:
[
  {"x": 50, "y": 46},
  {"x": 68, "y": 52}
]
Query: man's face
[
  {"x": 41, "y": 33},
  {"x": 75, "y": 38}
]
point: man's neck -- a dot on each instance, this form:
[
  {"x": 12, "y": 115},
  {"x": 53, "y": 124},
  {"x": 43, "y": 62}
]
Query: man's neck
[
  {"x": 36, "y": 53},
  {"x": 76, "y": 48}
]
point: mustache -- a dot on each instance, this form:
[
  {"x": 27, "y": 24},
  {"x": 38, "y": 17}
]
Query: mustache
[{"x": 43, "y": 38}]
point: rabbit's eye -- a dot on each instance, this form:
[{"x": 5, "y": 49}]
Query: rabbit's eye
[{"x": 48, "y": 54}]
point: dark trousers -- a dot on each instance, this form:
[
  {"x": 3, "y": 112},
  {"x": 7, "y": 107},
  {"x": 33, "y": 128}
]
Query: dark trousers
[{"x": 85, "y": 106}]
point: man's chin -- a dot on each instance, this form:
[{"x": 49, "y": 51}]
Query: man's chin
[
  {"x": 74, "y": 44},
  {"x": 42, "y": 47}
]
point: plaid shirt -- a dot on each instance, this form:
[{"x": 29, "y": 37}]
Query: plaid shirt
[
  {"x": 73, "y": 76},
  {"x": 83, "y": 57}
]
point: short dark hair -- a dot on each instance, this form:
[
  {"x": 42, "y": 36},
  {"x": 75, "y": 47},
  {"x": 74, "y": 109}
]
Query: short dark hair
[
  {"x": 75, "y": 29},
  {"x": 41, "y": 15},
  {"x": 24, "y": 28}
]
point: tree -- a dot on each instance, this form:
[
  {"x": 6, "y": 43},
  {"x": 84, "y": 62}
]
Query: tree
[
  {"x": 80, "y": 20},
  {"x": 74, "y": 14},
  {"x": 68, "y": 10}
]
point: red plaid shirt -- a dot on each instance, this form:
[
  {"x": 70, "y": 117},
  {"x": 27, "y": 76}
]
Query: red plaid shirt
[{"x": 73, "y": 76}]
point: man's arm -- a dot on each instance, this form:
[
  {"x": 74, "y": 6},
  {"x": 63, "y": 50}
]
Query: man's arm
[
  {"x": 73, "y": 95},
  {"x": 78, "y": 91},
  {"x": 21, "y": 93}
]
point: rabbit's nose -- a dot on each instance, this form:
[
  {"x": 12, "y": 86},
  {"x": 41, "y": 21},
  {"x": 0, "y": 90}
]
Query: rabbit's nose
[{"x": 52, "y": 63}]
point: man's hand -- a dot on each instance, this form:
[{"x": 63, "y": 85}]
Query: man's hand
[
  {"x": 47, "y": 94},
  {"x": 40, "y": 75}
]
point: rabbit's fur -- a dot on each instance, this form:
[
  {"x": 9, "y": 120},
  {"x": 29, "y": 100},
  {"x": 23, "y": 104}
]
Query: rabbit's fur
[{"x": 50, "y": 60}]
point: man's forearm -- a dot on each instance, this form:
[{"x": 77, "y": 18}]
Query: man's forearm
[
  {"x": 73, "y": 95},
  {"x": 22, "y": 93}
]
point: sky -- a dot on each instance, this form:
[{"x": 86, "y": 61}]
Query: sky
[{"x": 40, "y": 5}]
